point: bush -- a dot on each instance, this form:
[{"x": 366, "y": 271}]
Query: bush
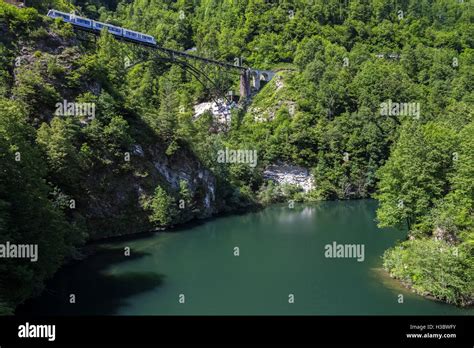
[
  {"x": 435, "y": 268},
  {"x": 269, "y": 193},
  {"x": 162, "y": 207}
]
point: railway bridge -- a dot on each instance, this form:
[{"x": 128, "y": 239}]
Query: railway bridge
[{"x": 250, "y": 79}]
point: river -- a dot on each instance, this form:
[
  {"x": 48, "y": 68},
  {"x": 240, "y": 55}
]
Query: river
[{"x": 195, "y": 270}]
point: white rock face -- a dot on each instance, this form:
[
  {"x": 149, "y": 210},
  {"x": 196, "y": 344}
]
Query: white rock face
[
  {"x": 220, "y": 111},
  {"x": 199, "y": 109},
  {"x": 289, "y": 174}
]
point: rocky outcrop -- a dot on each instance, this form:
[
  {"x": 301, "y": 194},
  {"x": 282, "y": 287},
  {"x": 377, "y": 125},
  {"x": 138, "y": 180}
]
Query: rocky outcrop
[
  {"x": 220, "y": 111},
  {"x": 445, "y": 235},
  {"x": 113, "y": 205},
  {"x": 191, "y": 171},
  {"x": 282, "y": 173}
]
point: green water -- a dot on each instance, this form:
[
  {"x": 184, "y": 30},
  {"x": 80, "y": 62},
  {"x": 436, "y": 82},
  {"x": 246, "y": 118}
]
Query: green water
[{"x": 281, "y": 253}]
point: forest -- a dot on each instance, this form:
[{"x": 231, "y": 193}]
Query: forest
[{"x": 374, "y": 97}]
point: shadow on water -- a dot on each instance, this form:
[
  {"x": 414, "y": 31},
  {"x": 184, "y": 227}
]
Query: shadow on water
[{"x": 97, "y": 292}]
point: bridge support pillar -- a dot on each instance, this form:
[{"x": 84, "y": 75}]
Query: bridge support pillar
[
  {"x": 245, "y": 84},
  {"x": 256, "y": 80}
]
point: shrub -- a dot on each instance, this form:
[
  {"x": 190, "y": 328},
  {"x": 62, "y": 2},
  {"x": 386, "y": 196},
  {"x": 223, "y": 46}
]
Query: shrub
[{"x": 435, "y": 268}]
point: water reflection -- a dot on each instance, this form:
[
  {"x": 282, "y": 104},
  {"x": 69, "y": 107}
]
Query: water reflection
[{"x": 96, "y": 290}]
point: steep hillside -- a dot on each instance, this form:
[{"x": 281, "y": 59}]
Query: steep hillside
[
  {"x": 373, "y": 98},
  {"x": 113, "y": 166}
]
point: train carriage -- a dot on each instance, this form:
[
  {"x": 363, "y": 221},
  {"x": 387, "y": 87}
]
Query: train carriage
[
  {"x": 58, "y": 14},
  {"x": 136, "y": 36},
  {"x": 82, "y": 22},
  {"x": 149, "y": 39},
  {"x": 130, "y": 34},
  {"x": 111, "y": 28}
]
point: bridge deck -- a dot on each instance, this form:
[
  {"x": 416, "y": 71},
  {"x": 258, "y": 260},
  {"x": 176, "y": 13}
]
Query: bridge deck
[{"x": 170, "y": 51}]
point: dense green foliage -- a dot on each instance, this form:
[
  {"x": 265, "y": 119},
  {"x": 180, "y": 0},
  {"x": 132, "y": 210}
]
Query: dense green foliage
[
  {"x": 27, "y": 214},
  {"x": 412, "y": 262},
  {"x": 337, "y": 63}
]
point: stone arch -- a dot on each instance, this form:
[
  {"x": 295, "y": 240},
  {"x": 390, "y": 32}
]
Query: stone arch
[
  {"x": 264, "y": 77},
  {"x": 256, "y": 77}
]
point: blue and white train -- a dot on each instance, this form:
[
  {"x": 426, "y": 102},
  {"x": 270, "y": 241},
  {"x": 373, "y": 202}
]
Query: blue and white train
[{"x": 98, "y": 26}]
